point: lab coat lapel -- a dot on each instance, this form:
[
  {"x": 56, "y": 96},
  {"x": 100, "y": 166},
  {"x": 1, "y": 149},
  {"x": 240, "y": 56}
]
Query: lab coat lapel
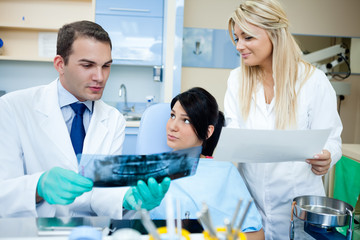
[
  {"x": 259, "y": 99},
  {"x": 94, "y": 139},
  {"x": 52, "y": 122}
]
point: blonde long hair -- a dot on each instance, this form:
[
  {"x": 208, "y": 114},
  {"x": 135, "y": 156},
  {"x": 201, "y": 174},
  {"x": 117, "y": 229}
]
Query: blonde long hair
[{"x": 286, "y": 56}]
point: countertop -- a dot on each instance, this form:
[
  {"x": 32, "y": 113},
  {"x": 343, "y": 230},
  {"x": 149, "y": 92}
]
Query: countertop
[
  {"x": 30, "y": 228},
  {"x": 132, "y": 123},
  {"x": 351, "y": 151}
]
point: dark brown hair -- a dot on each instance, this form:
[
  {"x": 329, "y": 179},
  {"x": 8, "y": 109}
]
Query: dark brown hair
[
  {"x": 70, "y": 32},
  {"x": 203, "y": 110}
]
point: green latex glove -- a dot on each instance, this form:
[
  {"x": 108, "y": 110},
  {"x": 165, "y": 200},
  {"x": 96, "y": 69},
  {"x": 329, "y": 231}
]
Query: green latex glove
[
  {"x": 149, "y": 196},
  {"x": 62, "y": 186}
]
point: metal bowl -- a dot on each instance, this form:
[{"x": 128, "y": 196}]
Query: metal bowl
[{"x": 324, "y": 211}]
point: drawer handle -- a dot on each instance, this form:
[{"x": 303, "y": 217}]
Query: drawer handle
[
  {"x": 129, "y": 10},
  {"x": 131, "y": 134}
]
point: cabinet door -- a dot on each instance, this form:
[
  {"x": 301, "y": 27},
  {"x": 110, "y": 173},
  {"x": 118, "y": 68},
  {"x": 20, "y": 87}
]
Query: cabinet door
[
  {"x": 129, "y": 146},
  {"x": 21, "y": 22},
  {"x": 148, "y": 8},
  {"x": 135, "y": 40}
]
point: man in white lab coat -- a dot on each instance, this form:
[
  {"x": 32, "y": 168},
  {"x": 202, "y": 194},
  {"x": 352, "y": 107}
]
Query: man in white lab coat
[{"x": 38, "y": 164}]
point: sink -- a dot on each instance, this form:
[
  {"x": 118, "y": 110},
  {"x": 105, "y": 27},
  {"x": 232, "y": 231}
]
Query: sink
[
  {"x": 132, "y": 118},
  {"x": 135, "y": 113}
]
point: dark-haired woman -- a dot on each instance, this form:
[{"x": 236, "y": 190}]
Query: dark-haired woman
[{"x": 196, "y": 121}]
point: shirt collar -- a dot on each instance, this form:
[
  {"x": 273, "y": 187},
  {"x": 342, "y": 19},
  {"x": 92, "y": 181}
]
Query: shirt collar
[{"x": 66, "y": 98}]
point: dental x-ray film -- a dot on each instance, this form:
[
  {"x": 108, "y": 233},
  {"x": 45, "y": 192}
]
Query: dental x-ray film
[{"x": 126, "y": 170}]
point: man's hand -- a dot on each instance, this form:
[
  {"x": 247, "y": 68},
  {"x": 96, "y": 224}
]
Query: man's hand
[
  {"x": 320, "y": 164},
  {"x": 62, "y": 186}
]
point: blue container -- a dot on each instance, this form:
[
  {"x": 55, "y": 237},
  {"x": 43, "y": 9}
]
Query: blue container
[{"x": 85, "y": 233}]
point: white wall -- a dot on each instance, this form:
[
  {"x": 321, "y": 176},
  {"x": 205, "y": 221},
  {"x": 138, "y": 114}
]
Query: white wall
[
  {"x": 316, "y": 17},
  {"x": 138, "y": 81},
  {"x": 326, "y": 17},
  {"x": 16, "y": 75}
]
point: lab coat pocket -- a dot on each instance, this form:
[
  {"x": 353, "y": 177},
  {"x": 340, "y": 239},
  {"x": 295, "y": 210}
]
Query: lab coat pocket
[
  {"x": 307, "y": 183},
  {"x": 303, "y": 117}
]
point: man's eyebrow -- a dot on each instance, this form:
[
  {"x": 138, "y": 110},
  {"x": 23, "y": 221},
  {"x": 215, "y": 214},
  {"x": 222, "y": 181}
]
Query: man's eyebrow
[
  {"x": 108, "y": 62},
  {"x": 92, "y": 62},
  {"x": 86, "y": 60}
]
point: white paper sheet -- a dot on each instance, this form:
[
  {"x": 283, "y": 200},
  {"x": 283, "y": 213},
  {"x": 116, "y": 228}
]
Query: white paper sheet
[
  {"x": 254, "y": 146},
  {"x": 47, "y": 44}
]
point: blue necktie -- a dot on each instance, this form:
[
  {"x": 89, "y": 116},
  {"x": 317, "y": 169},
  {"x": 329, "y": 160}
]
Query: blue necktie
[{"x": 77, "y": 133}]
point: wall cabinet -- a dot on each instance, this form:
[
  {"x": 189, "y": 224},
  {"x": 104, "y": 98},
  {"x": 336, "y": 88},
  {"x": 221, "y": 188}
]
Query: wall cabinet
[
  {"x": 135, "y": 41},
  {"x": 209, "y": 48},
  {"x": 21, "y": 21},
  {"x": 135, "y": 28}
]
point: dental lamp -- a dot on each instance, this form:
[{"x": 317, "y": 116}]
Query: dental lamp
[{"x": 338, "y": 51}]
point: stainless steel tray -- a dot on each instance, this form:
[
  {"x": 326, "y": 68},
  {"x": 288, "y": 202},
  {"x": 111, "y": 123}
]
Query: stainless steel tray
[{"x": 324, "y": 211}]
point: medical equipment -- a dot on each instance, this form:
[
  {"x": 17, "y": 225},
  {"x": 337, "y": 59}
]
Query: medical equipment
[
  {"x": 169, "y": 231},
  {"x": 190, "y": 225},
  {"x": 244, "y": 215},
  {"x": 178, "y": 218},
  {"x": 60, "y": 226},
  {"x": 236, "y": 213},
  {"x": 338, "y": 51},
  {"x": 149, "y": 225},
  {"x": 205, "y": 220},
  {"x": 321, "y": 215},
  {"x": 229, "y": 231}
]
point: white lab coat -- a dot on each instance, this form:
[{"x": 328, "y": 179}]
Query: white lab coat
[
  {"x": 274, "y": 185},
  {"x": 34, "y": 138}
]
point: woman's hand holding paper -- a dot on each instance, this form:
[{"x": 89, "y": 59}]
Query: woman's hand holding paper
[{"x": 320, "y": 164}]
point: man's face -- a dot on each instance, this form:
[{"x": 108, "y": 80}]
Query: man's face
[{"x": 87, "y": 70}]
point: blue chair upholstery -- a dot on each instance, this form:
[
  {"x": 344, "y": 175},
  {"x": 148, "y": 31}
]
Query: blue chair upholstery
[{"x": 152, "y": 131}]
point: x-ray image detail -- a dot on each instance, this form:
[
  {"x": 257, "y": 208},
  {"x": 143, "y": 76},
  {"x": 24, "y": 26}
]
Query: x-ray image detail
[{"x": 126, "y": 170}]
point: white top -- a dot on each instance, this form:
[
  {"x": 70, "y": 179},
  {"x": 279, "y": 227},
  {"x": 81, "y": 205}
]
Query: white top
[
  {"x": 275, "y": 185},
  {"x": 220, "y": 185}
]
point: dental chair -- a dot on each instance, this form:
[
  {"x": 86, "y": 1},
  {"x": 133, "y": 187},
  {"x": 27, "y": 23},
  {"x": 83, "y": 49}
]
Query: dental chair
[{"x": 152, "y": 131}]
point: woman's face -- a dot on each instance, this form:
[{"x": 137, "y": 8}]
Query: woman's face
[
  {"x": 254, "y": 51},
  {"x": 180, "y": 132}
]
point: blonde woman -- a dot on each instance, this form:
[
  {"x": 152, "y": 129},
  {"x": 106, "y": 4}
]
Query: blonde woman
[{"x": 275, "y": 89}]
